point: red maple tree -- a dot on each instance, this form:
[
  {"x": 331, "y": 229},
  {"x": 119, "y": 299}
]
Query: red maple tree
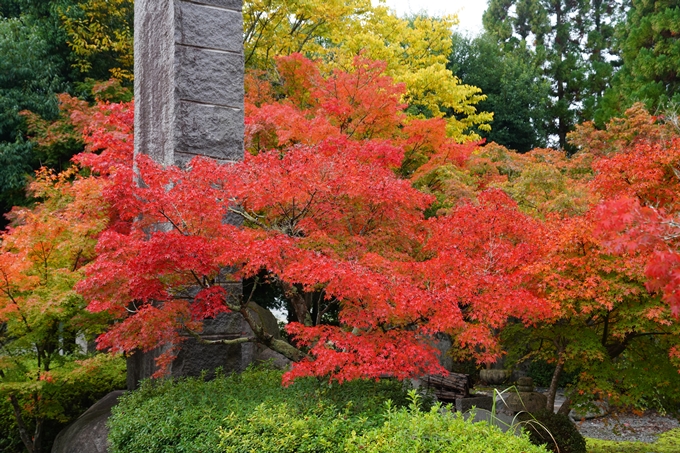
[{"x": 327, "y": 219}]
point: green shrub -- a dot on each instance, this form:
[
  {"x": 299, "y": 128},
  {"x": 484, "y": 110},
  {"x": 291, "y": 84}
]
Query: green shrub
[
  {"x": 251, "y": 412},
  {"x": 278, "y": 428},
  {"x": 184, "y": 416},
  {"x": 281, "y": 429},
  {"x": 668, "y": 442},
  {"x": 555, "y": 431},
  {"x": 436, "y": 431},
  {"x": 66, "y": 398}
]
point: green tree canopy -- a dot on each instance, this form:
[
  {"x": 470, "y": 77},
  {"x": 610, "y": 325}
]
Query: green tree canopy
[
  {"x": 572, "y": 41},
  {"x": 517, "y": 93},
  {"x": 650, "y": 47},
  {"x": 28, "y": 80}
]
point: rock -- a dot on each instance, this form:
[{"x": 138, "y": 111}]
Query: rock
[
  {"x": 88, "y": 434},
  {"x": 600, "y": 410},
  {"x": 443, "y": 343},
  {"x": 480, "y": 402},
  {"x": 504, "y": 422},
  {"x": 514, "y": 402},
  {"x": 264, "y": 354},
  {"x": 525, "y": 384}
]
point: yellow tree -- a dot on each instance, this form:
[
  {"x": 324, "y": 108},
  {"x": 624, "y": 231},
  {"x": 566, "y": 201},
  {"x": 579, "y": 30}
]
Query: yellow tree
[{"x": 335, "y": 31}]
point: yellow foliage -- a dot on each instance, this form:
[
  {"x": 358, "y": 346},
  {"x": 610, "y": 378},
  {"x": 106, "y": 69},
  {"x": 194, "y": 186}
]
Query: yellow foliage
[
  {"x": 335, "y": 31},
  {"x": 101, "y": 29},
  {"x": 416, "y": 50}
]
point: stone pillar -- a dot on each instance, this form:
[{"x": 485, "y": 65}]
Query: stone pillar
[
  {"x": 189, "y": 102},
  {"x": 189, "y": 80}
]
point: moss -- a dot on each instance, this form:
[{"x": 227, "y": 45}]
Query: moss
[{"x": 668, "y": 442}]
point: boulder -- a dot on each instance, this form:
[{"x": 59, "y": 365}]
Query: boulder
[
  {"x": 600, "y": 409},
  {"x": 514, "y": 402},
  {"x": 88, "y": 434},
  {"x": 477, "y": 401}
]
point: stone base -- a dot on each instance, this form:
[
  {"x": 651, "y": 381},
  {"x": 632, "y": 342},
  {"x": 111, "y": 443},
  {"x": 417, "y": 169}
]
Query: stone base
[
  {"x": 494, "y": 377},
  {"x": 196, "y": 359},
  {"x": 514, "y": 402},
  {"x": 504, "y": 422},
  {"x": 480, "y": 402},
  {"x": 88, "y": 434}
]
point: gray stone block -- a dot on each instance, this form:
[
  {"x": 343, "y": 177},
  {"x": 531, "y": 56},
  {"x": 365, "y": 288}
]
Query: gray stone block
[
  {"x": 88, "y": 434},
  {"x": 209, "y": 76},
  {"x": 207, "y": 26},
  {"x": 169, "y": 75},
  {"x": 480, "y": 402},
  {"x": 154, "y": 79},
  {"x": 504, "y": 422},
  {"x": 515, "y": 402},
  {"x": 235, "y": 5},
  {"x": 196, "y": 359},
  {"x": 209, "y": 130}
]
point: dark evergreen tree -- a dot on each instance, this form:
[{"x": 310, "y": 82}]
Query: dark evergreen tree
[
  {"x": 649, "y": 41},
  {"x": 517, "y": 93},
  {"x": 572, "y": 42},
  {"x": 28, "y": 81}
]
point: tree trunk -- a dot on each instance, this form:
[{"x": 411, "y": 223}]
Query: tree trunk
[
  {"x": 552, "y": 391},
  {"x": 299, "y": 304},
  {"x": 23, "y": 430},
  {"x": 565, "y": 408}
]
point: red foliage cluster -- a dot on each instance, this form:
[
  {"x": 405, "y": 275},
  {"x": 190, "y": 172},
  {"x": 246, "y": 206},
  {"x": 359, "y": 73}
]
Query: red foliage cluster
[{"x": 324, "y": 210}]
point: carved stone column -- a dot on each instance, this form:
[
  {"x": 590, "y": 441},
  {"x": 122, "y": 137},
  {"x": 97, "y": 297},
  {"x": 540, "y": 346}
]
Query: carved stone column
[
  {"x": 189, "y": 102},
  {"x": 189, "y": 80}
]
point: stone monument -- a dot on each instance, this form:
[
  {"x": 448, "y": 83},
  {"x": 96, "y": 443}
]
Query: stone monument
[
  {"x": 189, "y": 80},
  {"x": 189, "y": 71},
  {"x": 189, "y": 94}
]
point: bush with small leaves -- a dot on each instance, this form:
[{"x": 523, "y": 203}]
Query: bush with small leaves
[
  {"x": 555, "y": 431},
  {"x": 186, "y": 416}
]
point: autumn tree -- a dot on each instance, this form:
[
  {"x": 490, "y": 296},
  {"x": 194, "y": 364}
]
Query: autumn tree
[
  {"x": 415, "y": 51},
  {"x": 328, "y": 221},
  {"x": 607, "y": 326},
  {"x": 605, "y": 272},
  {"x": 41, "y": 316},
  {"x": 99, "y": 33}
]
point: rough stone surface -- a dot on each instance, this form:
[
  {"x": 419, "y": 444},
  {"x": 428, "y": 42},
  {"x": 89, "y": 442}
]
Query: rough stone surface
[
  {"x": 480, "y": 402},
  {"x": 89, "y": 432},
  {"x": 235, "y": 5},
  {"x": 189, "y": 102},
  {"x": 515, "y": 402},
  {"x": 208, "y": 27},
  {"x": 155, "y": 116},
  {"x": 601, "y": 409},
  {"x": 504, "y": 422},
  {"x": 210, "y": 77},
  {"x": 443, "y": 343},
  {"x": 494, "y": 376},
  {"x": 208, "y": 130},
  {"x": 188, "y": 80},
  {"x": 196, "y": 359}
]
